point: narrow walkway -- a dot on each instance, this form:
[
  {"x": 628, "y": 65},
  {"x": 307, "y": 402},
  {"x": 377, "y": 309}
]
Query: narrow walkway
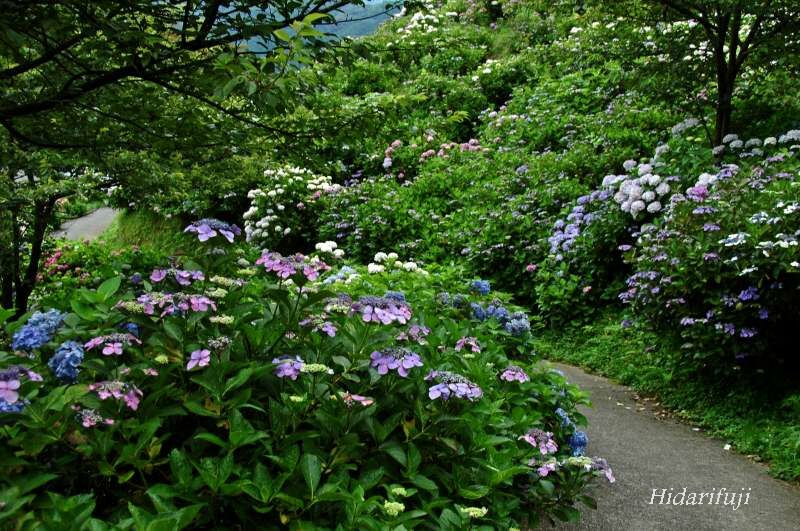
[
  {"x": 87, "y": 227},
  {"x": 648, "y": 453}
]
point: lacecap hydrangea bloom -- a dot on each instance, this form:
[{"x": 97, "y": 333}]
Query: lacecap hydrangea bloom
[
  {"x": 401, "y": 360},
  {"x": 452, "y": 385},
  {"x": 208, "y": 228}
]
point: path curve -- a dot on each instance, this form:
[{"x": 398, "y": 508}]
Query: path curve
[
  {"x": 648, "y": 452},
  {"x": 87, "y": 227}
]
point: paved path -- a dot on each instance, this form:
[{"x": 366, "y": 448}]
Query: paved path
[
  {"x": 87, "y": 227},
  {"x": 648, "y": 452}
]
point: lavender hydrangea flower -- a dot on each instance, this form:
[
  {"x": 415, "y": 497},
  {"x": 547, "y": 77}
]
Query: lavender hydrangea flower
[
  {"x": 288, "y": 367},
  {"x": 400, "y": 359},
  {"x": 513, "y": 373},
  {"x": 182, "y": 277},
  {"x": 543, "y": 440},
  {"x": 288, "y": 266},
  {"x": 112, "y": 343},
  {"x": 471, "y": 342},
  {"x": 199, "y": 358},
  {"x": 381, "y": 310},
  {"x": 452, "y": 385},
  {"x": 208, "y": 228}
]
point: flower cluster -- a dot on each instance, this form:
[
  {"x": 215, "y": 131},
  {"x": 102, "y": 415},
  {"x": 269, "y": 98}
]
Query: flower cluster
[
  {"x": 286, "y": 205},
  {"x": 566, "y": 231},
  {"x": 320, "y": 323},
  {"x": 345, "y": 274},
  {"x": 331, "y": 248},
  {"x": 288, "y": 366},
  {"x": 182, "y": 277},
  {"x": 471, "y": 342},
  {"x": 10, "y": 382},
  {"x": 481, "y": 287},
  {"x": 113, "y": 343},
  {"x": 38, "y": 330},
  {"x": 383, "y": 260},
  {"x": 66, "y": 360},
  {"x": 640, "y": 190},
  {"x": 208, "y": 228},
  {"x": 169, "y": 303},
  {"x": 452, "y": 385},
  {"x": 399, "y": 359},
  {"x": 513, "y": 373},
  {"x": 118, "y": 390},
  {"x": 543, "y": 440},
  {"x": 288, "y": 266},
  {"x": 415, "y": 333},
  {"x": 384, "y": 310},
  {"x": 89, "y": 418}
]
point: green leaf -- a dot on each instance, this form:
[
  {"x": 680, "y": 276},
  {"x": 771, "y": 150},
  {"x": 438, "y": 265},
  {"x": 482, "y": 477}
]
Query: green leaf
[
  {"x": 397, "y": 453},
  {"x": 109, "y": 287},
  {"x": 424, "y": 483},
  {"x": 311, "y": 468},
  {"x": 282, "y": 35},
  {"x": 241, "y": 377},
  {"x": 474, "y": 492}
]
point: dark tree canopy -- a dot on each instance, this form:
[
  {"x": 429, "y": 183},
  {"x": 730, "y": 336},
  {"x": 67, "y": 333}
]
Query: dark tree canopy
[{"x": 101, "y": 64}]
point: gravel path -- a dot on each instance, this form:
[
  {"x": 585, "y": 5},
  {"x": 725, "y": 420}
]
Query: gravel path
[
  {"x": 87, "y": 227},
  {"x": 648, "y": 452}
]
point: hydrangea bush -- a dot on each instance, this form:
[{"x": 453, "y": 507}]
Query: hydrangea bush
[
  {"x": 256, "y": 393},
  {"x": 722, "y": 265},
  {"x": 284, "y": 211}
]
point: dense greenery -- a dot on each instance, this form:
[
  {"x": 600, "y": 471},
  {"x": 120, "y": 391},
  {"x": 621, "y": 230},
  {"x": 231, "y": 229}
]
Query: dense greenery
[
  {"x": 629, "y": 175},
  {"x": 235, "y": 391}
]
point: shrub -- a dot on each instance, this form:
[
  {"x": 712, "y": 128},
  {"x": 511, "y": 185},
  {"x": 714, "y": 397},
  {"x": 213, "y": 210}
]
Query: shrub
[
  {"x": 249, "y": 394},
  {"x": 283, "y": 213}
]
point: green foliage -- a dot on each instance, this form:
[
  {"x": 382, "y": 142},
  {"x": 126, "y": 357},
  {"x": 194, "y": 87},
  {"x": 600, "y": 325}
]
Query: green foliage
[{"x": 156, "y": 437}]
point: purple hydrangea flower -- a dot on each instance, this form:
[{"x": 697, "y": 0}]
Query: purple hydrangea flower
[
  {"x": 513, "y": 373},
  {"x": 400, "y": 359},
  {"x": 208, "y": 228},
  {"x": 543, "y": 440},
  {"x": 452, "y": 385},
  {"x": 288, "y": 367},
  {"x": 199, "y": 358}
]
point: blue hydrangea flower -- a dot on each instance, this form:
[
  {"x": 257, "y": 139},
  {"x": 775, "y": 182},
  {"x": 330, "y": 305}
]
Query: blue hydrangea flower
[
  {"x": 398, "y": 296},
  {"x": 566, "y": 422},
  {"x": 478, "y": 312},
  {"x": 15, "y": 407},
  {"x": 498, "y": 312},
  {"x": 66, "y": 360},
  {"x": 578, "y": 441},
  {"x": 481, "y": 286},
  {"x": 518, "y": 324},
  {"x": 39, "y": 329}
]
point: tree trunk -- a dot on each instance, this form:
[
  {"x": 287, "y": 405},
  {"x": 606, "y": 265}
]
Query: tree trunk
[
  {"x": 43, "y": 210},
  {"x": 724, "y": 112}
]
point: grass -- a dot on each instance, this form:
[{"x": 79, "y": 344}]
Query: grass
[
  {"x": 147, "y": 230},
  {"x": 753, "y": 422}
]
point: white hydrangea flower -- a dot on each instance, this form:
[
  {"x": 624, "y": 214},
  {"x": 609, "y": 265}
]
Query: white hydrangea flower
[
  {"x": 375, "y": 268},
  {"x": 730, "y": 137},
  {"x": 654, "y": 207}
]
